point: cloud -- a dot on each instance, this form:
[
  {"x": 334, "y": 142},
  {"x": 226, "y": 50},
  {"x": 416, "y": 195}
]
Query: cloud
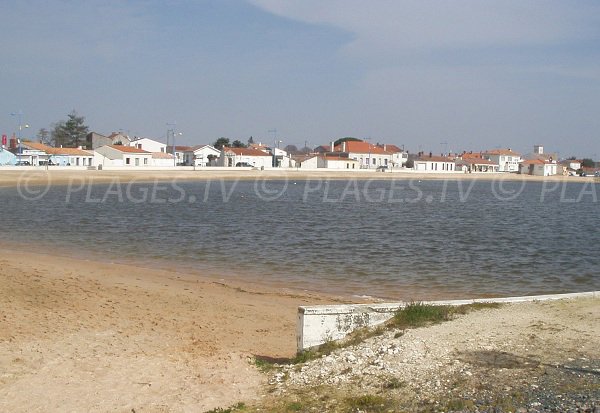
[{"x": 408, "y": 25}]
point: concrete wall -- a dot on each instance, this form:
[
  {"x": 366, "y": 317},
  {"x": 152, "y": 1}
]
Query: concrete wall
[{"x": 322, "y": 323}]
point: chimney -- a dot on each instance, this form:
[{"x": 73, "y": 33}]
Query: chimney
[
  {"x": 384, "y": 147},
  {"x": 332, "y": 147},
  {"x": 344, "y": 146}
]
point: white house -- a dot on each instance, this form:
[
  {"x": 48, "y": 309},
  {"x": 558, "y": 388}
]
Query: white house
[
  {"x": 434, "y": 164},
  {"x": 202, "y": 155},
  {"x": 507, "y": 159},
  {"x": 162, "y": 159},
  {"x": 149, "y": 145},
  {"x": 538, "y": 167},
  {"x": 118, "y": 138},
  {"x": 307, "y": 161},
  {"x": 337, "y": 162},
  {"x": 245, "y": 157},
  {"x": 372, "y": 156},
  {"x": 33, "y": 152},
  {"x": 39, "y": 154},
  {"x": 119, "y": 155},
  {"x": 475, "y": 163},
  {"x": 70, "y": 157}
]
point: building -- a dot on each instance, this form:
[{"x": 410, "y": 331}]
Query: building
[
  {"x": 162, "y": 159},
  {"x": 337, "y": 162},
  {"x": 119, "y": 155},
  {"x": 306, "y": 161},
  {"x": 38, "y": 154},
  {"x": 180, "y": 151},
  {"x": 434, "y": 164},
  {"x": 149, "y": 145},
  {"x": 201, "y": 155},
  {"x": 95, "y": 140},
  {"x": 70, "y": 157},
  {"x": 118, "y": 138},
  {"x": 7, "y": 157},
  {"x": 230, "y": 157},
  {"x": 372, "y": 156},
  {"x": 475, "y": 163},
  {"x": 538, "y": 167},
  {"x": 506, "y": 159}
]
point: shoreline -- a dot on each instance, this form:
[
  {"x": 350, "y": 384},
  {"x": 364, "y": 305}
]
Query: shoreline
[
  {"x": 141, "y": 338},
  {"x": 12, "y": 177}
]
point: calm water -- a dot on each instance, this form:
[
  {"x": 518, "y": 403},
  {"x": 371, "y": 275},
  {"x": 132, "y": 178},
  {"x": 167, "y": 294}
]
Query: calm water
[{"x": 392, "y": 239}]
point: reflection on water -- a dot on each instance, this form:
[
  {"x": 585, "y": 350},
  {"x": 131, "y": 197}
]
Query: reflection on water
[{"x": 394, "y": 239}]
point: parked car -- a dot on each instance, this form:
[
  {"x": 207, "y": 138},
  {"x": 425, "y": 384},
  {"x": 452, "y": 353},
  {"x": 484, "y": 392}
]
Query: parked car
[
  {"x": 597, "y": 173},
  {"x": 243, "y": 165},
  {"x": 382, "y": 168},
  {"x": 23, "y": 163}
]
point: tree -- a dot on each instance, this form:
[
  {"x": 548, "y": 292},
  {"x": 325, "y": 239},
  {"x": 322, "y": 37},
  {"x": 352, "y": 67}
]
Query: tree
[
  {"x": 250, "y": 140},
  {"x": 70, "y": 133},
  {"x": 238, "y": 144},
  {"x": 291, "y": 149},
  {"x": 346, "y": 139},
  {"x": 588, "y": 163},
  {"x": 306, "y": 150},
  {"x": 43, "y": 136},
  {"x": 219, "y": 143}
]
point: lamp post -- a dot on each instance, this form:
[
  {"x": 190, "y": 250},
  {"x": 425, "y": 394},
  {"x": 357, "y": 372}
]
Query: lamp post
[
  {"x": 19, "y": 115},
  {"x": 174, "y": 152}
]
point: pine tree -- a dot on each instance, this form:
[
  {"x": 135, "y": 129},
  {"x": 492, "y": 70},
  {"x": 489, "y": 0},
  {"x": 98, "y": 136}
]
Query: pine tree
[{"x": 70, "y": 133}]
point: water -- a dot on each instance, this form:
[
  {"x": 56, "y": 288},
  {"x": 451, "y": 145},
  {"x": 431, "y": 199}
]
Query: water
[{"x": 390, "y": 239}]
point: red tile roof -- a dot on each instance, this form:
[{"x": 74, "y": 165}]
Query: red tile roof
[
  {"x": 508, "y": 152},
  {"x": 361, "y": 147}
]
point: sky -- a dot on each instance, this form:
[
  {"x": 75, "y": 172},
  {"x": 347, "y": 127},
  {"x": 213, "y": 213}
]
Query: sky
[{"x": 429, "y": 75}]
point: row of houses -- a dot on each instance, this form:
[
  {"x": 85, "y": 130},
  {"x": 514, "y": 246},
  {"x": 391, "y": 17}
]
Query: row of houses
[{"x": 119, "y": 150}]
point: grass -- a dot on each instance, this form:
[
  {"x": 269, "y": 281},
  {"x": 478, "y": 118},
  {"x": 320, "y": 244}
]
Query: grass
[
  {"x": 414, "y": 315},
  {"x": 240, "y": 407},
  {"x": 417, "y": 314}
]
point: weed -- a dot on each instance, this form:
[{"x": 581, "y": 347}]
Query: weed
[
  {"x": 460, "y": 405},
  {"x": 294, "y": 406},
  {"x": 368, "y": 402},
  {"x": 237, "y": 408}
]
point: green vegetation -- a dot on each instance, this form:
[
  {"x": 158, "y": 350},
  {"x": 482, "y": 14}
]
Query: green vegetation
[
  {"x": 240, "y": 407},
  {"x": 70, "y": 133},
  {"x": 414, "y": 315},
  {"x": 346, "y": 139}
]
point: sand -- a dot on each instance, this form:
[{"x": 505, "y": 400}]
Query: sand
[
  {"x": 10, "y": 177},
  {"x": 78, "y": 335}
]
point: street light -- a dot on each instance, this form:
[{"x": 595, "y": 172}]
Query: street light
[
  {"x": 19, "y": 114},
  {"x": 174, "y": 155}
]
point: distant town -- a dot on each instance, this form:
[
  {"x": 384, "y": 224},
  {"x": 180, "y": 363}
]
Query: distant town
[{"x": 118, "y": 150}]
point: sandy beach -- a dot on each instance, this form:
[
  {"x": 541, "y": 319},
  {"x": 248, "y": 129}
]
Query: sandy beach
[
  {"x": 33, "y": 176},
  {"x": 78, "y": 335}
]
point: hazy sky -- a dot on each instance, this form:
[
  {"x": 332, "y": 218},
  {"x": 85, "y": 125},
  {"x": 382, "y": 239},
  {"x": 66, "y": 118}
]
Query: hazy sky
[{"x": 475, "y": 74}]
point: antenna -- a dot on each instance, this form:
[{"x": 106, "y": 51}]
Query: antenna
[{"x": 445, "y": 146}]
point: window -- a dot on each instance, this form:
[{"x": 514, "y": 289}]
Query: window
[
  {"x": 145, "y": 161},
  {"x": 127, "y": 161},
  {"x": 374, "y": 160}
]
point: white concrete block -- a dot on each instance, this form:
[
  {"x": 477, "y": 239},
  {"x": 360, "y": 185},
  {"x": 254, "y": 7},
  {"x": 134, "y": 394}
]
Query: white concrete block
[{"x": 322, "y": 323}]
